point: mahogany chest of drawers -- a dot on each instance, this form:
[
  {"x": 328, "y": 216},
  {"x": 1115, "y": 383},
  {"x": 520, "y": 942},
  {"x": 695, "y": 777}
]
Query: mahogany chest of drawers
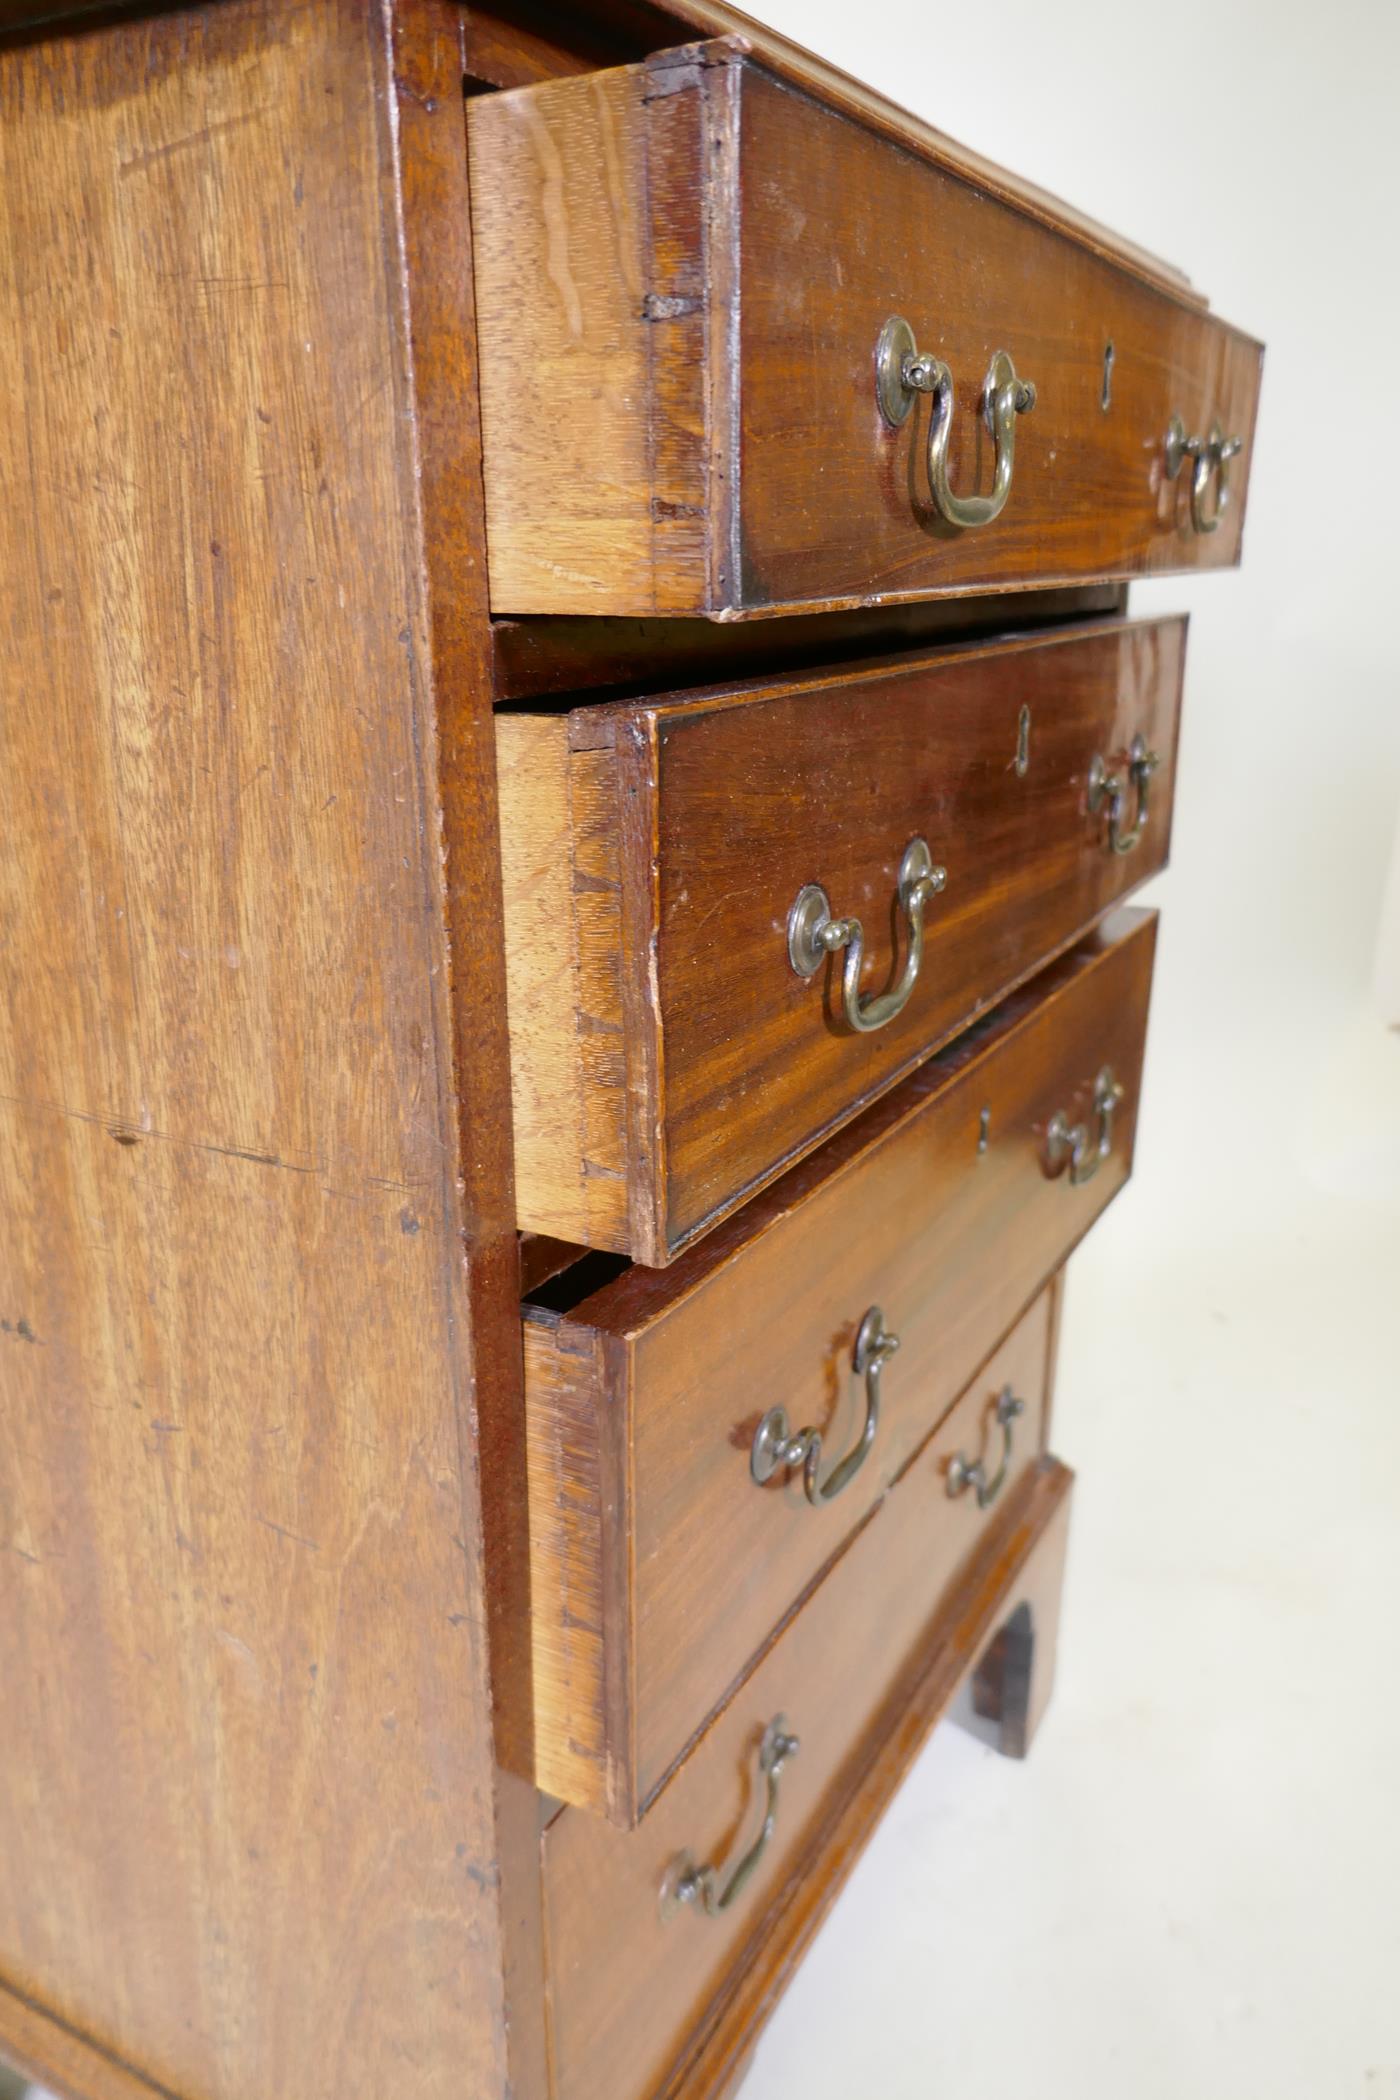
[{"x": 578, "y": 756}]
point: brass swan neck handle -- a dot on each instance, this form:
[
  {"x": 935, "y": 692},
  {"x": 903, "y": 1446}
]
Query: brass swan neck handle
[{"x": 902, "y": 370}]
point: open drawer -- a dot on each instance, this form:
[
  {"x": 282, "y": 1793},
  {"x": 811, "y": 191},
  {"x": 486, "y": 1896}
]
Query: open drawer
[
  {"x": 742, "y": 352},
  {"x": 684, "y": 1022}
]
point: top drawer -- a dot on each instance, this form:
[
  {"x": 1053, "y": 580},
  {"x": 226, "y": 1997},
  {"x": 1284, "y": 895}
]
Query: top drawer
[{"x": 684, "y": 273}]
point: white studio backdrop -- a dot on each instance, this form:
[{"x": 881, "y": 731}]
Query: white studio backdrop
[{"x": 1191, "y": 1887}]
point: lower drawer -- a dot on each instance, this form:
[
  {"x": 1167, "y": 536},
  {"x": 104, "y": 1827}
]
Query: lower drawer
[
  {"x": 664, "y": 1546},
  {"x": 634, "y": 1965}
]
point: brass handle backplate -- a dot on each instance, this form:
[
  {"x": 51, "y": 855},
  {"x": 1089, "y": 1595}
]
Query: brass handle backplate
[
  {"x": 1210, "y": 456},
  {"x": 699, "y": 1887},
  {"x": 972, "y": 1473},
  {"x": 1084, "y": 1150},
  {"x": 775, "y": 1446},
  {"x": 902, "y": 370},
  {"x": 813, "y": 934},
  {"x": 1111, "y": 789}
]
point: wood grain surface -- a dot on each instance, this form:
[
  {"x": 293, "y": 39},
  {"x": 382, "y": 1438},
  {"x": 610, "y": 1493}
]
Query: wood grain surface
[
  {"x": 251, "y": 1830},
  {"x": 643, "y": 1396},
  {"x": 666, "y": 1059},
  {"x": 701, "y": 259},
  {"x": 615, "y": 2026}
]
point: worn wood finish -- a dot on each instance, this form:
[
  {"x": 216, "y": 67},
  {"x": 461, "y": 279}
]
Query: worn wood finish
[
  {"x": 713, "y": 444},
  {"x": 643, "y": 1397},
  {"x": 252, "y": 1836},
  {"x": 561, "y": 862},
  {"x": 666, "y": 1058},
  {"x": 1021, "y": 1561},
  {"x": 615, "y": 2027}
]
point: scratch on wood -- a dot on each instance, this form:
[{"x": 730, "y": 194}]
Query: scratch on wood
[
  {"x": 140, "y": 161},
  {"x": 283, "y": 1533},
  {"x": 258, "y": 1159},
  {"x": 125, "y": 1136}
]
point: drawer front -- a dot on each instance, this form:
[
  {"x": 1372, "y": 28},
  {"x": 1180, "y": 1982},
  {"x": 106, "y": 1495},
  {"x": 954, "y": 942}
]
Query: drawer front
[
  {"x": 686, "y": 1061},
  {"x": 834, "y": 494},
  {"x": 703, "y": 261},
  {"x": 629, "y": 1974},
  {"x": 659, "y": 1565}
]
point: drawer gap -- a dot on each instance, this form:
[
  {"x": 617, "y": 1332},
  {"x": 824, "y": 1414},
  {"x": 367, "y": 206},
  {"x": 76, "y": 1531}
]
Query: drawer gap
[{"x": 561, "y": 1293}]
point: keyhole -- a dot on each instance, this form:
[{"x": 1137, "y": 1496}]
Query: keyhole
[{"x": 1106, "y": 397}]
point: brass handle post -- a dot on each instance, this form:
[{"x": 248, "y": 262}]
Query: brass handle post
[
  {"x": 698, "y": 1888},
  {"x": 1085, "y": 1151},
  {"x": 775, "y": 1446},
  {"x": 972, "y": 1473},
  {"x": 1110, "y": 789},
  {"x": 1210, "y": 457},
  {"x": 813, "y": 933}
]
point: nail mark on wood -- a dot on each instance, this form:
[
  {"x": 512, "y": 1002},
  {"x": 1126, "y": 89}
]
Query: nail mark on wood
[{"x": 664, "y": 306}]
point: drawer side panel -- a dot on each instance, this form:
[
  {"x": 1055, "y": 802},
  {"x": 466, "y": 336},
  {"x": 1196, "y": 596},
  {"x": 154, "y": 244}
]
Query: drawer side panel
[
  {"x": 561, "y": 238},
  {"x": 561, "y": 896},
  {"x": 577, "y": 1495}
]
